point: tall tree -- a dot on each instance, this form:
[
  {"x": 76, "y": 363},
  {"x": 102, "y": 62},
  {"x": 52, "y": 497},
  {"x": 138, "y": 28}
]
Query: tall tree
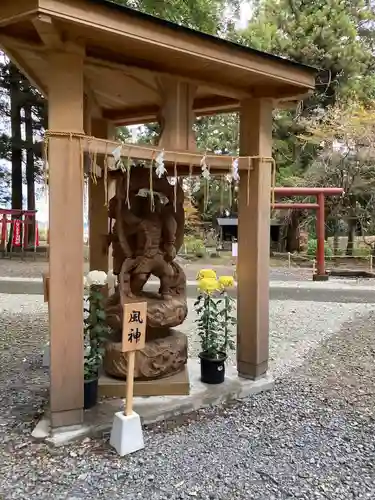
[
  {"x": 336, "y": 36},
  {"x": 15, "y": 93},
  {"x": 209, "y": 16}
]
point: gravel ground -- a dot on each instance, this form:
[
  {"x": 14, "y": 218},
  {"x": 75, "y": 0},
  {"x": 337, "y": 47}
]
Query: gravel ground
[
  {"x": 310, "y": 438},
  {"x": 29, "y": 268}
]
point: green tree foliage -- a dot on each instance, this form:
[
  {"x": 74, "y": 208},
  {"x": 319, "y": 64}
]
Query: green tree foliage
[
  {"x": 20, "y": 105},
  {"x": 336, "y": 37},
  {"x": 203, "y": 15}
]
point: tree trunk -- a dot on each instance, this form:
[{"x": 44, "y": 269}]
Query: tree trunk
[
  {"x": 16, "y": 146},
  {"x": 15, "y": 112},
  {"x": 30, "y": 172},
  {"x": 293, "y": 235},
  {"x": 336, "y": 232},
  {"x": 352, "y": 224}
]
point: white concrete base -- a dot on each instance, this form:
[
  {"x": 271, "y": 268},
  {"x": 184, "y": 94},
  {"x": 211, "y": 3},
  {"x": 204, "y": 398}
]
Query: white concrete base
[
  {"x": 126, "y": 434},
  {"x": 99, "y": 419}
]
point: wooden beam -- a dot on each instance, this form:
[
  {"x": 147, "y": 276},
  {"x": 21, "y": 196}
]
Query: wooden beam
[
  {"x": 23, "y": 66},
  {"x": 226, "y": 90},
  {"x": 179, "y": 47},
  {"x": 65, "y": 113},
  {"x": 92, "y": 102},
  {"x": 279, "y": 93},
  {"x": 12, "y": 11},
  {"x": 47, "y": 31},
  {"x": 147, "y": 114},
  {"x": 186, "y": 158},
  {"x": 177, "y": 115},
  {"x": 253, "y": 240},
  {"x": 98, "y": 212}
]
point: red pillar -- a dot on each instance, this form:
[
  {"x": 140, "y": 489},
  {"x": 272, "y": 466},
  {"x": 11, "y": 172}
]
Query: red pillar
[{"x": 321, "y": 274}]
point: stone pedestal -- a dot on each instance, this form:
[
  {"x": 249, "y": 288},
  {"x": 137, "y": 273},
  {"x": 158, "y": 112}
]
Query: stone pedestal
[{"x": 163, "y": 356}]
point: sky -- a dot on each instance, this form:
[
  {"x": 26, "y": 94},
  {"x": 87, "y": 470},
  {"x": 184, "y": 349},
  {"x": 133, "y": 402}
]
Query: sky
[{"x": 245, "y": 15}]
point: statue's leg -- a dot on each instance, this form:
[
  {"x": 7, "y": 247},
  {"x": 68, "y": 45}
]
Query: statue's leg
[
  {"x": 164, "y": 272},
  {"x": 124, "y": 280},
  {"x": 138, "y": 282}
]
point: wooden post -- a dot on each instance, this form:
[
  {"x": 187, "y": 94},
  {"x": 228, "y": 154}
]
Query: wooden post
[
  {"x": 98, "y": 211},
  {"x": 177, "y": 115},
  {"x": 65, "y": 114},
  {"x": 254, "y": 240},
  {"x": 46, "y": 287},
  {"x": 133, "y": 339},
  {"x": 130, "y": 383},
  {"x": 320, "y": 233}
]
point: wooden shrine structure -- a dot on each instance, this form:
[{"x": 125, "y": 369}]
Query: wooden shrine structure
[{"x": 99, "y": 65}]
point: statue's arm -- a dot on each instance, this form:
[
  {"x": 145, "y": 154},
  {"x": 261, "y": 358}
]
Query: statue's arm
[{"x": 169, "y": 234}]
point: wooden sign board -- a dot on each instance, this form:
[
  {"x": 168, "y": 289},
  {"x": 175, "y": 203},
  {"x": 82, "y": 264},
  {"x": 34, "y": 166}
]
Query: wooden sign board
[
  {"x": 46, "y": 287},
  {"x": 134, "y": 326}
]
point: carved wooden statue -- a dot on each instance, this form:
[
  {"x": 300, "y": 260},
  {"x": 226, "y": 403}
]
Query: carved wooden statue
[{"x": 146, "y": 236}]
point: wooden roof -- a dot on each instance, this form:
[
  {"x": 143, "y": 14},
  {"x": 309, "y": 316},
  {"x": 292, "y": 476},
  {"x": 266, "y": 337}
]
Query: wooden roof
[{"x": 127, "y": 52}]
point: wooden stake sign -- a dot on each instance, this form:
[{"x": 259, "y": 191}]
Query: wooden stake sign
[
  {"x": 46, "y": 287},
  {"x": 133, "y": 339}
]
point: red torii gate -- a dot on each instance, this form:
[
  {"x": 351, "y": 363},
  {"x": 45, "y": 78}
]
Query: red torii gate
[{"x": 319, "y": 193}]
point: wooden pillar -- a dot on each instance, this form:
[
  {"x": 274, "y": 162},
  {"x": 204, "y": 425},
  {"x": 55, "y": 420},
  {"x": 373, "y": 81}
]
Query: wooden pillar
[
  {"x": 65, "y": 108},
  {"x": 177, "y": 115},
  {"x": 254, "y": 240},
  {"x": 98, "y": 211}
]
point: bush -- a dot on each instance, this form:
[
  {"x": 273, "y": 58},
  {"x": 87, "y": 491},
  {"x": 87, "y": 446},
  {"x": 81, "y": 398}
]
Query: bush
[
  {"x": 362, "y": 252},
  {"x": 194, "y": 246},
  {"x": 42, "y": 234},
  {"x": 312, "y": 246}
]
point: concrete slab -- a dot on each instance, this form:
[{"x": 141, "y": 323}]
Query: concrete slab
[{"x": 99, "y": 420}]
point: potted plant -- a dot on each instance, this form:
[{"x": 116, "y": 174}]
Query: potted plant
[
  {"x": 214, "y": 307},
  {"x": 95, "y": 334}
]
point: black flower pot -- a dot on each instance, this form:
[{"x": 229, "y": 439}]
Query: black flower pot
[
  {"x": 212, "y": 370},
  {"x": 90, "y": 393}
]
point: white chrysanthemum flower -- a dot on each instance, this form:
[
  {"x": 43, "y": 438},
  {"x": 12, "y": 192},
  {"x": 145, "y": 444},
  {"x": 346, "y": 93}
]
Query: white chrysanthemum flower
[{"x": 96, "y": 278}]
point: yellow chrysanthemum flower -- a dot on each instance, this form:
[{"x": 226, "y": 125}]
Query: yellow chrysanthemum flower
[
  {"x": 208, "y": 285},
  {"x": 206, "y": 273},
  {"x": 226, "y": 281}
]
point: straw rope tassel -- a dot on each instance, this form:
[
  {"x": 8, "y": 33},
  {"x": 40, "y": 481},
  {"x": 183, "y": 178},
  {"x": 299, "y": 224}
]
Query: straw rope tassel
[
  {"x": 90, "y": 156},
  {"x": 207, "y": 188},
  {"x": 46, "y": 166},
  {"x": 128, "y": 173},
  {"x": 273, "y": 182},
  {"x": 82, "y": 169},
  {"x": 221, "y": 194},
  {"x": 105, "y": 164},
  {"x": 190, "y": 185},
  {"x": 95, "y": 156},
  {"x": 249, "y": 165},
  {"x": 152, "y": 201},
  {"x": 175, "y": 187},
  {"x": 230, "y": 194}
]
